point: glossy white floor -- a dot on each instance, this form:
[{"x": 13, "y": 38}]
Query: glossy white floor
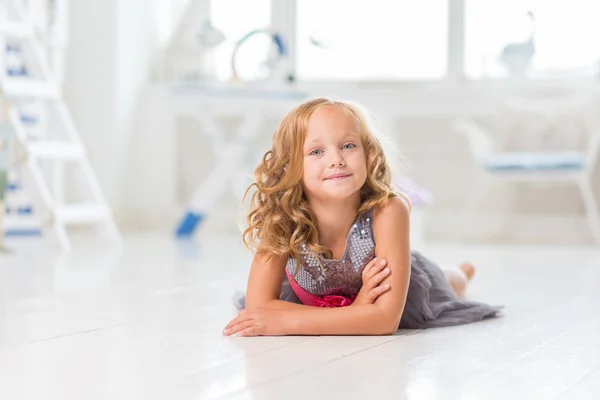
[{"x": 146, "y": 324}]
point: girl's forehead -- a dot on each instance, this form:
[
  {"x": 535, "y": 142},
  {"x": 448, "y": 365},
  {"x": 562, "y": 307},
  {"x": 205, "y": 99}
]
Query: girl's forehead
[
  {"x": 330, "y": 122},
  {"x": 329, "y": 115},
  {"x": 332, "y": 136}
]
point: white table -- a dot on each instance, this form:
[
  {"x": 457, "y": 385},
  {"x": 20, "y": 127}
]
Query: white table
[{"x": 206, "y": 104}]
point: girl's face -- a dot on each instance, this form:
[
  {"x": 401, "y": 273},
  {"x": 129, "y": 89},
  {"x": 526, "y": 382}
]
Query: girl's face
[{"x": 334, "y": 157}]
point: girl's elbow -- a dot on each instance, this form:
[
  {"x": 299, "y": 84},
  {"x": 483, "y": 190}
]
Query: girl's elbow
[
  {"x": 389, "y": 322},
  {"x": 384, "y": 330},
  {"x": 389, "y": 329},
  {"x": 388, "y": 326}
]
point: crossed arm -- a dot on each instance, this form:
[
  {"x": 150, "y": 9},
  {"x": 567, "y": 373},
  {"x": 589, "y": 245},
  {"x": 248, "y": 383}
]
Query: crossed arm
[{"x": 376, "y": 310}]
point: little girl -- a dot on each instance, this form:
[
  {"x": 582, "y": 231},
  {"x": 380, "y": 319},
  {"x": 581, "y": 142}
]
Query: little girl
[{"x": 331, "y": 237}]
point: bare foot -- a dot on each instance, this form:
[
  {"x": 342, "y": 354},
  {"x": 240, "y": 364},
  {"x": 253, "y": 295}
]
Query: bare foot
[
  {"x": 468, "y": 269},
  {"x": 458, "y": 278}
]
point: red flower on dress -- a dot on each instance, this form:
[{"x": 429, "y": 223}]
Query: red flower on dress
[{"x": 333, "y": 301}]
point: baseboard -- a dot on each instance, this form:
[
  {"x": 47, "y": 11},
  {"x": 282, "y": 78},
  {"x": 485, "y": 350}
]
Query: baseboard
[
  {"x": 427, "y": 227},
  {"x": 222, "y": 220},
  {"x": 511, "y": 229}
]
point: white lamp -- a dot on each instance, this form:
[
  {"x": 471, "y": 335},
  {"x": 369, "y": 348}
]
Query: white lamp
[
  {"x": 209, "y": 36},
  {"x": 187, "y": 56}
]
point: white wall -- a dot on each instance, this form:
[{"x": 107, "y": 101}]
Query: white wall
[
  {"x": 108, "y": 61},
  {"x": 91, "y": 81}
]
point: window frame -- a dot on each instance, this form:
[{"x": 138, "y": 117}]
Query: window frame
[
  {"x": 283, "y": 19},
  {"x": 283, "y": 14}
]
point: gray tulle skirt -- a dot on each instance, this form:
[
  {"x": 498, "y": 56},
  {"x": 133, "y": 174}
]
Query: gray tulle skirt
[{"x": 430, "y": 302}]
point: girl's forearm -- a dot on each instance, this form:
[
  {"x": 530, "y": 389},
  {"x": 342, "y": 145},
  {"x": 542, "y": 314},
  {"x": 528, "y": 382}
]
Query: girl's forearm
[
  {"x": 285, "y": 305},
  {"x": 366, "y": 319}
]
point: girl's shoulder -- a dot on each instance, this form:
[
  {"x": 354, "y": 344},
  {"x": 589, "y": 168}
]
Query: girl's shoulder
[
  {"x": 394, "y": 206},
  {"x": 392, "y": 218}
]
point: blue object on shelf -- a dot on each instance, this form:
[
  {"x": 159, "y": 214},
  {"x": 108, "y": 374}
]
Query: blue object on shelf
[
  {"x": 189, "y": 224},
  {"x": 22, "y": 71},
  {"x": 22, "y": 232},
  {"x": 281, "y": 48},
  {"x": 28, "y": 119},
  {"x": 27, "y": 210},
  {"x": 536, "y": 162}
]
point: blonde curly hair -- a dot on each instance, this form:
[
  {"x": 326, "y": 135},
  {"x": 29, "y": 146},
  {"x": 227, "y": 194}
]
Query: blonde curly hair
[{"x": 280, "y": 219}]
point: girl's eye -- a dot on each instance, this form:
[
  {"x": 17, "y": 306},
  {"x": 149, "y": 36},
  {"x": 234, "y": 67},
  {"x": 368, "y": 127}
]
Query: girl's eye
[
  {"x": 349, "y": 146},
  {"x": 316, "y": 152}
]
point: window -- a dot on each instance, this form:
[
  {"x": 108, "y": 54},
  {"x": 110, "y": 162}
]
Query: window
[
  {"x": 533, "y": 38},
  {"x": 167, "y": 13},
  {"x": 371, "y": 39},
  {"x": 236, "y": 18}
]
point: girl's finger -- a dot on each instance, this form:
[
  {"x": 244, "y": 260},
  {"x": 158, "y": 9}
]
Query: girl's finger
[
  {"x": 378, "y": 278},
  {"x": 251, "y": 331},
  {"x": 368, "y": 267},
  {"x": 378, "y": 291},
  {"x": 240, "y": 318},
  {"x": 377, "y": 268},
  {"x": 233, "y": 322},
  {"x": 238, "y": 328}
]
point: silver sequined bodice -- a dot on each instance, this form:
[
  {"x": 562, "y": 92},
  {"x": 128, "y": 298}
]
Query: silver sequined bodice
[{"x": 343, "y": 276}]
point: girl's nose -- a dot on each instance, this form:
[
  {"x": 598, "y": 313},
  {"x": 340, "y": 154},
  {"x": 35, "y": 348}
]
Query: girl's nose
[{"x": 337, "y": 161}]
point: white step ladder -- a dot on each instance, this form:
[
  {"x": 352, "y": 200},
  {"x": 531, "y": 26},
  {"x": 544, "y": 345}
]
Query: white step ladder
[{"x": 64, "y": 151}]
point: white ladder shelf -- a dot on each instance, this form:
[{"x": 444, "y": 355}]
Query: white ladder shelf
[{"x": 64, "y": 151}]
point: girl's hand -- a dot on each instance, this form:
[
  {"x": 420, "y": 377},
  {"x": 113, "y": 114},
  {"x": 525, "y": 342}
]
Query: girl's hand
[
  {"x": 373, "y": 274},
  {"x": 258, "y": 322}
]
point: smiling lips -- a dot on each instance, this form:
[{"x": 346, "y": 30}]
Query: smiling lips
[{"x": 337, "y": 177}]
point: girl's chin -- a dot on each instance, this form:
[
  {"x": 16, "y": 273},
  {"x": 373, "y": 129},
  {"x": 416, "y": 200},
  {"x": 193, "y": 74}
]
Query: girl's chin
[{"x": 333, "y": 194}]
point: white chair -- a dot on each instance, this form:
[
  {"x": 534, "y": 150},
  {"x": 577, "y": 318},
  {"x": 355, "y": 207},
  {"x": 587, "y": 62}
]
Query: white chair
[{"x": 573, "y": 168}]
